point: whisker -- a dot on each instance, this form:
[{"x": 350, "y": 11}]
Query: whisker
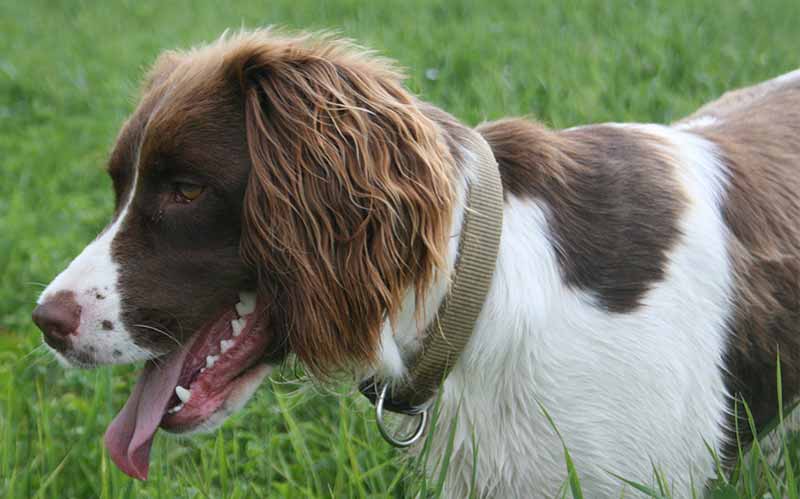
[
  {"x": 36, "y": 283},
  {"x": 160, "y": 331},
  {"x": 156, "y": 360},
  {"x": 177, "y": 322}
]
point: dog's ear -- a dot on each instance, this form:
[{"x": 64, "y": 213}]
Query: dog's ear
[{"x": 349, "y": 197}]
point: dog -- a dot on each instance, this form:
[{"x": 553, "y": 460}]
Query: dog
[{"x": 284, "y": 195}]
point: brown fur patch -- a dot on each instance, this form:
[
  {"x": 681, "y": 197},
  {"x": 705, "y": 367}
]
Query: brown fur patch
[
  {"x": 612, "y": 196},
  {"x": 759, "y": 140},
  {"x": 349, "y": 198}
]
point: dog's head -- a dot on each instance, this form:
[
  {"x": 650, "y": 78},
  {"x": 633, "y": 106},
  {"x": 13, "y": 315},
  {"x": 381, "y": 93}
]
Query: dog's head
[{"x": 274, "y": 194}]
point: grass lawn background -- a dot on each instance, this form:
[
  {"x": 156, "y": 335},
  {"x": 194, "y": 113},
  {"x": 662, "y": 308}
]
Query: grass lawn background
[{"x": 68, "y": 77}]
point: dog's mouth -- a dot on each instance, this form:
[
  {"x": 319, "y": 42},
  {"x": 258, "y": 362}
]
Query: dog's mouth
[{"x": 195, "y": 387}]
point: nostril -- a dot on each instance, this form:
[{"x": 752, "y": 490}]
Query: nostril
[{"x": 58, "y": 317}]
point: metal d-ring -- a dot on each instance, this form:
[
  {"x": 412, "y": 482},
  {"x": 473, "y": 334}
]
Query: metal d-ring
[{"x": 411, "y": 440}]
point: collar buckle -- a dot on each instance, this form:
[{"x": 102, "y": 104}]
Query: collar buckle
[{"x": 387, "y": 434}]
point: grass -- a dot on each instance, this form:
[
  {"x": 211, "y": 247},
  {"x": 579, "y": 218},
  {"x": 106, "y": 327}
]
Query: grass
[{"x": 68, "y": 74}]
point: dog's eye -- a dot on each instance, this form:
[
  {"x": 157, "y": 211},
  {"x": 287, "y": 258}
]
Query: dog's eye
[{"x": 186, "y": 192}]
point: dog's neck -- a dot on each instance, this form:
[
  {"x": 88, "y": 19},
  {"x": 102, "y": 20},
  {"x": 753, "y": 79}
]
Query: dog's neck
[
  {"x": 400, "y": 345},
  {"x": 401, "y": 341}
]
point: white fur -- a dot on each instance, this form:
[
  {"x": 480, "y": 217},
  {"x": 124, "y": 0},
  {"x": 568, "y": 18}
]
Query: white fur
[
  {"x": 701, "y": 122},
  {"x": 787, "y": 78},
  {"x": 624, "y": 389},
  {"x": 93, "y": 274}
]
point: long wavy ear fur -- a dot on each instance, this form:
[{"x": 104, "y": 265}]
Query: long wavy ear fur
[{"x": 349, "y": 197}]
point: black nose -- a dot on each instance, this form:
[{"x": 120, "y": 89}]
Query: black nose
[{"x": 58, "y": 317}]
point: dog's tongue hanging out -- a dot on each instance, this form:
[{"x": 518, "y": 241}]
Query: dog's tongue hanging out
[
  {"x": 214, "y": 372},
  {"x": 130, "y": 435}
]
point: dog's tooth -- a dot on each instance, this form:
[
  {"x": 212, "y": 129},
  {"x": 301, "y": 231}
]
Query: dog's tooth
[
  {"x": 237, "y": 326},
  {"x": 211, "y": 360},
  {"x": 175, "y": 409},
  {"x": 226, "y": 345},
  {"x": 183, "y": 393},
  {"x": 247, "y": 303}
]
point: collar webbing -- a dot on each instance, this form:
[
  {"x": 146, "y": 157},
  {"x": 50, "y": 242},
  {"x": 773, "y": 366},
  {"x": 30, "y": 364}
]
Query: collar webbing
[{"x": 451, "y": 329}]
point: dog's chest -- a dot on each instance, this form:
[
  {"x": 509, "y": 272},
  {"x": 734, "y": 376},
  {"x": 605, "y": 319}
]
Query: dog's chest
[{"x": 614, "y": 384}]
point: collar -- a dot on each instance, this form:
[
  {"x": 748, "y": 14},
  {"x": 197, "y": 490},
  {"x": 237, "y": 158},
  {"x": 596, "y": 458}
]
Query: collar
[{"x": 452, "y": 327}]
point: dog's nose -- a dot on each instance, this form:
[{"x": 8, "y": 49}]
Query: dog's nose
[{"x": 58, "y": 317}]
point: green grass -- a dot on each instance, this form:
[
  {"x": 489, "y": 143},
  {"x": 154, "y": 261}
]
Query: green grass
[{"x": 68, "y": 74}]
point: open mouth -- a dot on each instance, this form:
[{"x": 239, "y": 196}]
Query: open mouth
[{"x": 194, "y": 387}]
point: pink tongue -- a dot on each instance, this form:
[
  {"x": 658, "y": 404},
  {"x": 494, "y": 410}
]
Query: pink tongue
[{"x": 129, "y": 437}]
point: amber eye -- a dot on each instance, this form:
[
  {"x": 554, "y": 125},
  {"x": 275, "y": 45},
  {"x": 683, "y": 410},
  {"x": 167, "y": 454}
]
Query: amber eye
[{"x": 186, "y": 192}]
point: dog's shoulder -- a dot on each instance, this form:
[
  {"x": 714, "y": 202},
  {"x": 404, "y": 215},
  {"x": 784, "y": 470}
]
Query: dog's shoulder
[{"x": 613, "y": 198}]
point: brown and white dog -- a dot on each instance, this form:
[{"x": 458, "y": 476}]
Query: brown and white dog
[{"x": 284, "y": 195}]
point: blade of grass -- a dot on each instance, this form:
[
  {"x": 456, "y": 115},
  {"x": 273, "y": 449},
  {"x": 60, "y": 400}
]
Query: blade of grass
[
  {"x": 768, "y": 475},
  {"x": 572, "y": 474},
  {"x": 50, "y": 477},
  {"x": 649, "y": 491},
  {"x": 791, "y": 486},
  {"x": 445, "y": 459},
  {"x": 222, "y": 462}
]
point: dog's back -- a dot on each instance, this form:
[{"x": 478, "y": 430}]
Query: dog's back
[{"x": 757, "y": 131}]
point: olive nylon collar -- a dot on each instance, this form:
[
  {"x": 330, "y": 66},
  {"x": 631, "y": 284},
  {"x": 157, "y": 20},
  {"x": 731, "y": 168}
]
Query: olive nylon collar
[{"x": 451, "y": 329}]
